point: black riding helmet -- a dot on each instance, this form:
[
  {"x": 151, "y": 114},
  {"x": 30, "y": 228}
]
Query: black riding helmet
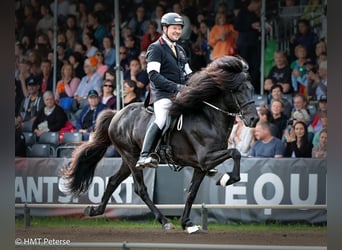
[{"x": 171, "y": 18}]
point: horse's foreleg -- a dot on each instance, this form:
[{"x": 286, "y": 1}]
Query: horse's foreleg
[
  {"x": 113, "y": 183},
  {"x": 197, "y": 178},
  {"x": 141, "y": 190},
  {"x": 233, "y": 176}
]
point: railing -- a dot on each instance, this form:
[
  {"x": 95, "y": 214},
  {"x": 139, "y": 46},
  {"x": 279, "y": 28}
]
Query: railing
[{"x": 204, "y": 208}]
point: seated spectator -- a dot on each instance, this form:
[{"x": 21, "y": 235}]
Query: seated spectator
[
  {"x": 65, "y": 90},
  {"x": 266, "y": 144},
  {"x": 277, "y": 93},
  {"x": 137, "y": 74},
  {"x": 321, "y": 89},
  {"x": 279, "y": 74},
  {"x": 131, "y": 92},
  {"x": 76, "y": 60},
  {"x": 151, "y": 36},
  {"x": 49, "y": 118},
  {"x": 241, "y": 137},
  {"x": 322, "y": 107},
  {"x": 101, "y": 67},
  {"x": 45, "y": 79},
  {"x": 85, "y": 122},
  {"x": 108, "y": 98},
  {"x": 108, "y": 51},
  {"x": 300, "y": 103},
  {"x": 91, "y": 80},
  {"x": 24, "y": 77},
  {"x": 277, "y": 116},
  {"x": 265, "y": 115},
  {"x": 324, "y": 125},
  {"x": 297, "y": 142},
  {"x": 321, "y": 150},
  {"x": 32, "y": 103},
  {"x": 88, "y": 39}
]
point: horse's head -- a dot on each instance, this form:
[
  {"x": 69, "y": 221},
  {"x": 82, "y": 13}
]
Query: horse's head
[{"x": 231, "y": 73}]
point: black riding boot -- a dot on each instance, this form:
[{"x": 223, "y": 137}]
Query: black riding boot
[{"x": 150, "y": 142}]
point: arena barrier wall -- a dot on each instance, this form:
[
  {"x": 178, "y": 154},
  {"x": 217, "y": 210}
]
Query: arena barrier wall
[{"x": 264, "y": 181}]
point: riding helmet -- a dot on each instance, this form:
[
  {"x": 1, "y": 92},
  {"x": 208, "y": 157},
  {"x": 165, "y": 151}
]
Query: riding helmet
[{"x": 171, "y": 18}]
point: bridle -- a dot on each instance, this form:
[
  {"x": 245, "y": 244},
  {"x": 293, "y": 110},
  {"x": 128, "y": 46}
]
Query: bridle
[{"x": 240, "y": 113}]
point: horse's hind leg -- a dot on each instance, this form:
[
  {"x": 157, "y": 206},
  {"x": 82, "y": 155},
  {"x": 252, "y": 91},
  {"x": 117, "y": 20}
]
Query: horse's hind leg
[
  {"x": 233, "y": 176},
  {"x": 141, "y": 190},
  {"x": 113, "y": 183}
]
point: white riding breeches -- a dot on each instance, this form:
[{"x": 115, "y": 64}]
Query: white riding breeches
[{"x": 161, "y": 109}]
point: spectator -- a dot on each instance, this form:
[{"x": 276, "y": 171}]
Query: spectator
[
  {"x": 247, "y": 23},
  {"x": 151, "y": 36},
  {"x": 299, "y": 103},
  {"x": 89, "y": 41},
  {"x": 35, "y": 58},
  {"x": 66, "y": 88},
  {"x": 109, "y": 51},
  {"x": 321, "y": 150},
  {"x": 108, "y": 98},
  {"x": 49, "y": 118},
  {"x": 159, "y": 11},
  {"x": 71, "y": 39},
  {"x": 277, "y": 116},
  {"x": 277, "y": 93},
  {"x": 241, "y": 137},
  {"x": 30, "y": 20},
  {"x": 124, "y": 63},
  {"x": 142, "y": 59},
  {"x": 222, "y": 37},
  {"x": 322, "y": 107},
  {"x": 322, "y": 87},
  {"x": 299, "y": 69},
  {"x": 266, "y": 144},
  {"x": 45, "y": 80},
  {"x": 311, "y": 79},
  {"x": 200, "y": 47},
  {"x": 32, "y": 103},
  {"x": 24, "y": 77},
  {"x": 76, "y": 60},
  {"x": 324, "y": 124},
  {"x": 265, "y": 115},
  {"x": 101, "y": 67},
  {"x": 139, "y": 22},
  {"x": 320, "y": 48},
  {"x": 132, "y": 47},
  {"x": 46, "y": 21},
  {"x": 131, "y": 92},
  {"x": 297, "y": 142},
  {"x": 96, "y": 23},
  {"x": 137, "y": 74},
  {"x": 91, "y": 80},
  {"x": 62, "y": 54},
  {"x": 280, "y": 73},
  {"x": 304, "y": 37},
  {"x": 85, "y": 123}
]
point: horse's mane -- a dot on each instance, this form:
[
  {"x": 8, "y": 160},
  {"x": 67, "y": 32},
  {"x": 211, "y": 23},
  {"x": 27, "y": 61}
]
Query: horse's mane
[{"x": 224, "y": 73}]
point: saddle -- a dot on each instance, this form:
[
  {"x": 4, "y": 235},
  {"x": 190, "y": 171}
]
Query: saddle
[{"x": 163, "y": 150}]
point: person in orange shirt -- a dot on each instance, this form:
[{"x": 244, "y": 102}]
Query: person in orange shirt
[{"x": 222, "y": 37}]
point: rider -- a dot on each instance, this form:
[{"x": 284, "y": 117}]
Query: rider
[{"x": 167, "y": 71}]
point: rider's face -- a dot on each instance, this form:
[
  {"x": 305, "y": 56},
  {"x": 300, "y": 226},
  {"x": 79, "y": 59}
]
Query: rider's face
[{"x": 174, "y": 32}]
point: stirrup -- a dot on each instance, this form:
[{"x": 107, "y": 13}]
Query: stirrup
[{"x": 150, "y": 161}]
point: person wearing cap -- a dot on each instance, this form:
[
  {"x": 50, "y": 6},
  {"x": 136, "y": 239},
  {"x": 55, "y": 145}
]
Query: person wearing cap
[
  {"x": 85, "y": 122},
  {"x": 168, "y": 69},
  {"x": 30, "y": 105}
]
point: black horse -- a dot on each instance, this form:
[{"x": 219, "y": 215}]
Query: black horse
[{"x": 208, "y": 105}]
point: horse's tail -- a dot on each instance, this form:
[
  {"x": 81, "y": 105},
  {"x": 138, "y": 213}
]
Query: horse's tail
[{"x": 85, "y": 157}]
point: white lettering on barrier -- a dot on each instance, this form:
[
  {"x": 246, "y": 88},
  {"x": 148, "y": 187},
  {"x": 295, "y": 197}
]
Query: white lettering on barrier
[
  {"x": 312, "y": 190},
  {"x": 275, "y": 195},
  {"x": 234, "y": 191},
  {"x": 43, "y": 189}
]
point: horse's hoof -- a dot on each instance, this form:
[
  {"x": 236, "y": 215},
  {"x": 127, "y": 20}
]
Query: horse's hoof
[
  {"x": 226, "y": 180},
  {"x": 194, "y": 229},
  {"x": 211, "y": 172},
  {"x": 168, "y": 226},
  {"x": 88, "y": 211}
]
